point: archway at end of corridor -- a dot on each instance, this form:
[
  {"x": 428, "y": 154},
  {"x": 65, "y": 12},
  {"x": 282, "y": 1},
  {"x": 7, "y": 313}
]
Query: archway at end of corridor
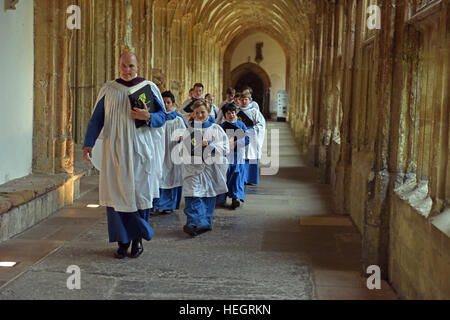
[
  {"x": 256, "y": 55},
  {"x": 253, "y": 76}
]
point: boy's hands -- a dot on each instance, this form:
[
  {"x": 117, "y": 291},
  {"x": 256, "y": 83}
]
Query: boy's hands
[{"x": 233, "y": 143}]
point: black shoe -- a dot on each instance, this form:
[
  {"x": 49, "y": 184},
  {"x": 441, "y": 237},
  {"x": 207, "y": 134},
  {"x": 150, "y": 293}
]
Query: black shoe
[
  {"x": 121, "y": 253},
  {"x": 136, "y": 248},
  {"x": 166, "y": 212},
  {"x": 221, "y": 204},
  {"x": 156, "y": 212},
  {"x": 235, "y": 204},
  {"x": 200, "y": 230},
  {"x": 190, "y": 230}
]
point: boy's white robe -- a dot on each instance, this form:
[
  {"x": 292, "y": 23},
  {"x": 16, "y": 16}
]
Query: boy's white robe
[
  {"x": 132, "y": 158},
  {"x": 214, "y": 111},
  {"x": 257, "y": 135},
  {"x": 181, "y": 111},
  {"x": 220, "y": 117},
  {"x": 208, "y": 180},
  {"x": 172, "y": 172},
  {"x": 256, "y": 105}
]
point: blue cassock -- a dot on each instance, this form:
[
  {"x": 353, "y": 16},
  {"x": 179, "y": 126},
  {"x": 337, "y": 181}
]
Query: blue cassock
[
  {"x": 124, "y": 226},
  {"x": 251, "y": 172},
  {"x": 236, "y": 169},
  {"x": 170, "y": 199},
  {"x": 199, "y": 210}
]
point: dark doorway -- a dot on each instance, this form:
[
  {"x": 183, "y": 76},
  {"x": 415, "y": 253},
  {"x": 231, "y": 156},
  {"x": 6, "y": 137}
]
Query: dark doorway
[
  {"x": 253, "y": 76},
  {"x": 253, "y": 81}
]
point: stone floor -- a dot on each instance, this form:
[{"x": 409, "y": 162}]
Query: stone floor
[{"x": 284, "y": 243}]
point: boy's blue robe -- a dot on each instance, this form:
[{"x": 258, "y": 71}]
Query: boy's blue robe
[
  {"x": 236, "y": 169},
  {"x": 200, "y": 190}
]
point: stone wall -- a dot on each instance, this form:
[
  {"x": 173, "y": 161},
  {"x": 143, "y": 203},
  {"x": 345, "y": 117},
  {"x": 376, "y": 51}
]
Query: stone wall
[
  {"x": 16, "y": 91},
  {"x": 174, "y": 50},
  {"x": 369, "y": 107},
  {"x": 419, "y": 261},
  {"x": 27, "y": 201},
  {"x": 372, "y": 112}
]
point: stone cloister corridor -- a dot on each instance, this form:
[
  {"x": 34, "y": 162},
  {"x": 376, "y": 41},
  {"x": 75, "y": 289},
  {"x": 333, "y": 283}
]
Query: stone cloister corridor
[
  {"x": 364, "y": 167},
  {"x": 284, "y": 244}
]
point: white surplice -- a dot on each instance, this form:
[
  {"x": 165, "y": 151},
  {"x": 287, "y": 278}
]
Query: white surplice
[
  {"x": 208, "y": 180},
  {"x": 257, "y": 135},
  {"x": 132, "y": 158},
  {"x": 172, "y": 172}
]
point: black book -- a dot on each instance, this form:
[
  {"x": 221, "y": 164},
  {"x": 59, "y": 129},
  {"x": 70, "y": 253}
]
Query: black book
[
  {"x": 245, "y": 119},
  {"x": 140, "y": 95},
  {"x": 188, "y": 108},
  {"x": 197, "y": 147},
  {"x": 229, "y": 126}
]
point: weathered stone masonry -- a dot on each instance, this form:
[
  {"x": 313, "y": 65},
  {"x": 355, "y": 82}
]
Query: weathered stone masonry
[
  {"x": 369, "y": 108},
  {"x": 373, "y": 115}
]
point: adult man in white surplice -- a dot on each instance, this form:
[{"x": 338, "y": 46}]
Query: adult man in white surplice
[{"x": 132, "y": 155}]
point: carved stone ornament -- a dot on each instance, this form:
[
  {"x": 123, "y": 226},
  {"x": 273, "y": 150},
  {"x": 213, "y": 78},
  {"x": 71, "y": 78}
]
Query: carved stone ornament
[{"x": 259, "y": 56}]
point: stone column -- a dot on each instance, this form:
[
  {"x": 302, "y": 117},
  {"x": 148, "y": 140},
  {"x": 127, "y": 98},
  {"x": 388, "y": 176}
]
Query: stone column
[
  {"x": 159, "y": 40},
  {"x": 175, "y": 56},
  {"x": 341, "y": 193},
  {"x": 82, "y": 78},
  {"x": 187, "y": 49},
  {"x": 142, "y": 35},
  {"x": 52, "y": 138},
  {"x": 375, "y": 246},
  {"x": 196, "y": 57}
]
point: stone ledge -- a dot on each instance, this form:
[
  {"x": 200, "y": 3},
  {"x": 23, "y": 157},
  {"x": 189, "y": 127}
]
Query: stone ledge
[
  {"x": 20, "y": 191},
  {"x": 442, "y": 222},
  {"x": 30, "y": 200},
  {"x": 27, "y": 201}
]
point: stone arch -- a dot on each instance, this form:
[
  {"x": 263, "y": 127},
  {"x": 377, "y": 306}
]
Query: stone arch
[
  {"x": 232, "y": 45},
  {"x": 250, "y": 67},
  {"x": 254, "y": 72}
]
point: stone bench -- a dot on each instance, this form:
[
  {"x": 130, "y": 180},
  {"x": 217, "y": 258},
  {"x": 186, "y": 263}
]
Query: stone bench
[{"x": 27, "y": 201}]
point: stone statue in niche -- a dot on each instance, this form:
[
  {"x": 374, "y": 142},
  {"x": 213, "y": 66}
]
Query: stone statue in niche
[
  {"x": 259, "y": 56},
  {"x": 10, "y": 4}
]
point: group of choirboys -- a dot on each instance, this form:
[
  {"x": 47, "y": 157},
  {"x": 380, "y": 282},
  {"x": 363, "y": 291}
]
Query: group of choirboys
[
  {"x": 237, "y": 127},
  {"x": 140, "y": 169}
]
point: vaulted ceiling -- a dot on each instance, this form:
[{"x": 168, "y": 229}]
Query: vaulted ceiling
[{"x": 285, "y": 20}]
